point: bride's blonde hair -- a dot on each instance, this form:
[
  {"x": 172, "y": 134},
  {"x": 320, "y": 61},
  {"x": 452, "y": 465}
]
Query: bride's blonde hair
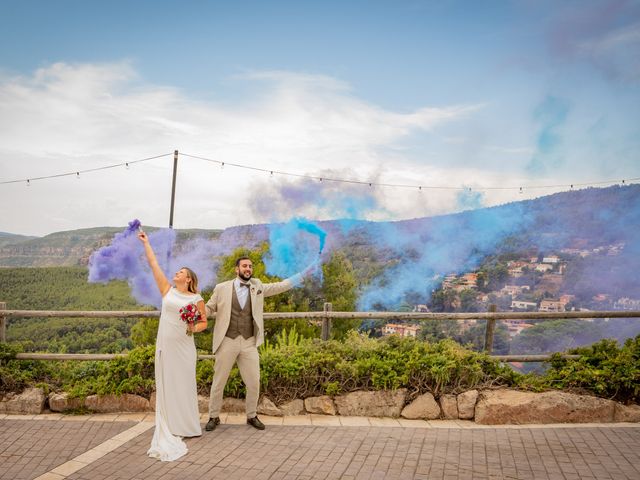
[{"x": 192, "y": 286}]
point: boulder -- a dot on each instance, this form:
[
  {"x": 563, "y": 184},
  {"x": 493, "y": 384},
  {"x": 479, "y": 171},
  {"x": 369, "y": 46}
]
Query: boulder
[
  {"x": 152, "y": 401},
  {"x": 425, "y": 406},
  {"x": 382, "y": 403},
  {"x": 503, "y": 406},
  {"x": 233, "y": 405},
  {"x": 203, "y": 404},
  {"x": 117, "y": 403},
  {"x": 60, "y": 402},
  {"x": 294, "y": 407},
  {"x": 449, "y": 407},
  {"x": 267, "y": 407},
  {"x": 31, "y": 401},
  {"x": 626, "y": 413},
  {"x": 467, "y": 404},
  {"x": 322, "y": 405}
]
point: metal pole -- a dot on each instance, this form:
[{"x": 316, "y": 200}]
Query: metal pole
[
  {"x": 488, "y": 333},
  {"x": 173, "y": 186},
  {"x": 326, "y": 322}
]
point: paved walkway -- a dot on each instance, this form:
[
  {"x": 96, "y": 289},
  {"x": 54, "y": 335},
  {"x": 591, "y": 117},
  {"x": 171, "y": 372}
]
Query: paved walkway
[{"x": 96, "y": 447}]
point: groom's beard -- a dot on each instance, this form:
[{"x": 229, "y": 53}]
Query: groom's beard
[{"x": 245, "y": 276}]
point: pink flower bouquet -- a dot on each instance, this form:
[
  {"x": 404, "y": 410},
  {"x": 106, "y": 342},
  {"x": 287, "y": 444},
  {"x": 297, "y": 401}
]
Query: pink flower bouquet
[{"x": 190, "y": 315}]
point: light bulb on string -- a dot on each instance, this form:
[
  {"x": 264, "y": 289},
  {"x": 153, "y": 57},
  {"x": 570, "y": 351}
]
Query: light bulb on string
[
  {"x": 520, "y": 190},
  {"x": 78, "y": 175},
  {"x": 419, "y": 189},
  {"x": 222, "y": 166},
  {"x": 28, "y": 182},
  {"x": 126, "y": 165}
]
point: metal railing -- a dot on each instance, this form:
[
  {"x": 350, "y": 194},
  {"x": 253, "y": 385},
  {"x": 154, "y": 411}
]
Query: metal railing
[{"x": 325, "y": 317}]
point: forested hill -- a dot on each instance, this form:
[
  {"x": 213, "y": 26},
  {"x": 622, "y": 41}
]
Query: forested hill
[
  {"x": 70, "y": 248},
  {"x": 573, "y": 219}
]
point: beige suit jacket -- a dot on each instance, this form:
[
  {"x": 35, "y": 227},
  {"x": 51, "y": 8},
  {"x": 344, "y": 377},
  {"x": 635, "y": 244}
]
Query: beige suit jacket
[{"x": 220, "y": 304}]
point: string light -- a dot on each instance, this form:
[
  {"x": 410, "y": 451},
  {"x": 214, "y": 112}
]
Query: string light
[
  {"x": 77, "y": 173},
  {"x": 272, "y": 173}
]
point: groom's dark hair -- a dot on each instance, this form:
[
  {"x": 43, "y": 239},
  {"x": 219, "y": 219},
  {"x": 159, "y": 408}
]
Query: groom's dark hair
[{"x": 239, "y": 259}]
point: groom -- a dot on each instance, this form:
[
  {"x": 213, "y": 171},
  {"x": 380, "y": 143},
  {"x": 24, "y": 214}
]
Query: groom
[{"x": 238, "y": 332}]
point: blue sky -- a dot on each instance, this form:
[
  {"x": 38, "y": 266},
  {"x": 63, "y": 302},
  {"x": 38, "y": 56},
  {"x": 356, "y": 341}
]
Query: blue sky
[{"x": 442, "y": 93}]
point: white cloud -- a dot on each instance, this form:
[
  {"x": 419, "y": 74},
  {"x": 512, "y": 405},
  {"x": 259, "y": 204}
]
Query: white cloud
[{"x": 74, "y": 117}]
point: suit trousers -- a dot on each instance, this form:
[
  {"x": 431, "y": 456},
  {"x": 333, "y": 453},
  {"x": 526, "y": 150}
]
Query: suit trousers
[{"x": 244, "y": 352}]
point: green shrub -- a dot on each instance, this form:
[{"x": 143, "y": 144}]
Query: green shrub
[
  {"x": 297, "y": 367},
  {"x": 605, "y": 370}
]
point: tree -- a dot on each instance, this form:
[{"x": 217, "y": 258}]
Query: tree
[{"x": 339, "y": 287}]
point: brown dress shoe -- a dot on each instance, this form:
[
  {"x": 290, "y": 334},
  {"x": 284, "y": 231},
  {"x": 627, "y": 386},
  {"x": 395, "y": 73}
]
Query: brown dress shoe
[
  {"x": 212, "y": 424},
  {"x": 255, "y": 423}
]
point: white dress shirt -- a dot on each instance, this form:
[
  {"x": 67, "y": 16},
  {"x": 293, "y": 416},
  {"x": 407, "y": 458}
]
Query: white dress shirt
[{"x": 242, "y": 292}]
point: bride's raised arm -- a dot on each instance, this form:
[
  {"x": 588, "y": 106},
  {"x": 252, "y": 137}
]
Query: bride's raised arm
[{"x": 161, "y": 280}]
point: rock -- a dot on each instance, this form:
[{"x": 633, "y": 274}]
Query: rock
[
  {"x": 626, "y": 413},
  {"x": 60, "y": 402},
  {"x": 152, "y": 401},
  {"x": 383, "y": 403},
  {"x": 3, "y": 401},
  {"x": 294, "y": 407},
  {"x": 267, "y": 407},
  {"x": 31, "y": 401},
  {"x": 449, "y": 407},
  {"x": 322, "y": 405},
  {"x": 203, "y": 404},
  {"x": 496, "y": 407},
  {"x": 467, "y": 404},
  {"x": 233, "y": 405},
  {"x": 425, "y": 406},
  {"x": 117, "y": 403}
]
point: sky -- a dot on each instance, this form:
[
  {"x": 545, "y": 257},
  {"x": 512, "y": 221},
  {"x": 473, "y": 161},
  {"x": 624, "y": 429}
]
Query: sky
[{"x": 478, "y": 103}]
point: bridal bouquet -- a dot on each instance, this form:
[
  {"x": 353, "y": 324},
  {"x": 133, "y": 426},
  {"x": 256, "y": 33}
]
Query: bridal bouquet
[{"x": 190, "y": 315}]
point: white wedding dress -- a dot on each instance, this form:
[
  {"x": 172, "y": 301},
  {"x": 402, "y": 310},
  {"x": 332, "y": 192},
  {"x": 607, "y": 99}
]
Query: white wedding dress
[{"x": 176, "y": 392}]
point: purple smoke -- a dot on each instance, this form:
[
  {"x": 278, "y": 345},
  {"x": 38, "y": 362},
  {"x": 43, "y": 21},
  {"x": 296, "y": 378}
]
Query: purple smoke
[{"x": 124, "y": 259}]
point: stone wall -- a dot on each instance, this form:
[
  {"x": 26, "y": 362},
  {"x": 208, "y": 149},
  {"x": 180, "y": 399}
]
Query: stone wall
[{"x": 489, "y": 407}]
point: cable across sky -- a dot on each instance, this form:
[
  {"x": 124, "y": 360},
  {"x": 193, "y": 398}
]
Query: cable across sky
[{"x": 321, "y": 178}]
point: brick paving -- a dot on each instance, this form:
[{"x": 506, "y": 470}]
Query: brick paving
[
  {"x": 29, "y": 448},
  {"x": 335, "y": 452}
]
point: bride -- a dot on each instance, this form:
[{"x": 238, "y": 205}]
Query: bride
[{"x": 175, "y": 361}]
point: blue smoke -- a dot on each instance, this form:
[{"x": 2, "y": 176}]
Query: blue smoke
[{"x": 293, "y": 246}]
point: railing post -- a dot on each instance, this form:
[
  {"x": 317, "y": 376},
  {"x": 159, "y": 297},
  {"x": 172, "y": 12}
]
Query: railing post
[
  {"x": 3, "y": 323},
  {"x": 326, "y": 322},
  {"x": 488, "y": 333}
]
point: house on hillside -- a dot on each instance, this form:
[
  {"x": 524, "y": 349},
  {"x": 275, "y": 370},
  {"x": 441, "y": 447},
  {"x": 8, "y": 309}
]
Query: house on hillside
[
  {"x": 469, "y": 280},
  {"x": 547, "y": 305},
  {"x": 523, "y": 305},
  {"x": 626, "y": 303},
  {"x": 514, "y": 290},
  {"x": 551, "y": 259},
  {"x": 543, "y": 267},
  {"x": 400, "y": 329},
  {"x": 420, "y": 308}
]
